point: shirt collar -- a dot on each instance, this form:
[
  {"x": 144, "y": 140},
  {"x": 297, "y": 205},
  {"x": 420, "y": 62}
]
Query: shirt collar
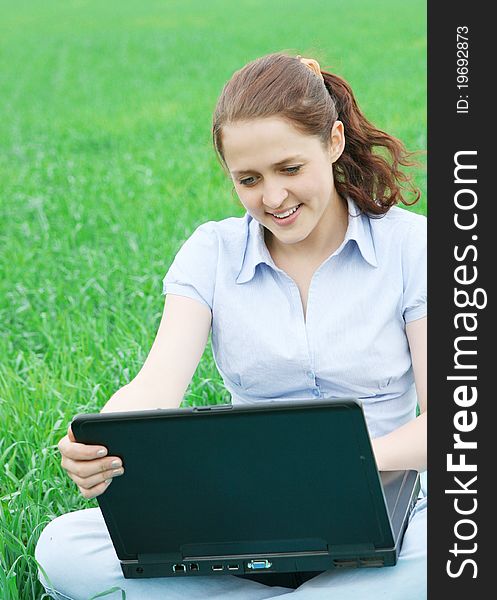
[
  {"x": 359, "y": 230},
  {"x": 256, "y": 252}
]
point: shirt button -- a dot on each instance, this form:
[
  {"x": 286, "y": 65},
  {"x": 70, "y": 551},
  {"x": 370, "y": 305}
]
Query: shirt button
[
  {"x": 310, "y": 374},
  {"x": 315, "y": 392}
]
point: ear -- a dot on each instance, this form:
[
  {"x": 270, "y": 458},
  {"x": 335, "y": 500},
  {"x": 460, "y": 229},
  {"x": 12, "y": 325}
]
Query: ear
[{"x": 337, "y": 141}]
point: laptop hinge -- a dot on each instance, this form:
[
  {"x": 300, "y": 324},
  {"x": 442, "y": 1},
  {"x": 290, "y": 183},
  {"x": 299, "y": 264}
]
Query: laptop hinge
[{"x": 259, "y": 554}]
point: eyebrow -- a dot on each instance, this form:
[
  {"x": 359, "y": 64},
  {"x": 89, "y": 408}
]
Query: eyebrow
[{"x": 278, "y": 164}]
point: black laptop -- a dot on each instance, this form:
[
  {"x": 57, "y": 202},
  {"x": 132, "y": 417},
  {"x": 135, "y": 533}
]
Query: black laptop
[{"x": 270, "y": 487}]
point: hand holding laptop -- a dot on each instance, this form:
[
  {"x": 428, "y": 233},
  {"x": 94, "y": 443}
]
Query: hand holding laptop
[{"x": 88, "y": 466}]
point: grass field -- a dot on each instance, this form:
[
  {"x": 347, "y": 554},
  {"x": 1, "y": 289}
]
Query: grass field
[{"x": 106, "y": 166}]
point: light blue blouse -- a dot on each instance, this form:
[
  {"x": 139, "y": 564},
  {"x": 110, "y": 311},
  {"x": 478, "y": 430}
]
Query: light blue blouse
[{"x": 352, "y": 343}]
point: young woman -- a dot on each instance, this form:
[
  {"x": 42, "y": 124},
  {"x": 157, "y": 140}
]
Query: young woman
[{"x": 318, "y": 291}]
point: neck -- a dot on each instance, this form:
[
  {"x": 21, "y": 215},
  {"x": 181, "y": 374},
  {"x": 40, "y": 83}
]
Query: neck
[{"x": 325, "y": 238}]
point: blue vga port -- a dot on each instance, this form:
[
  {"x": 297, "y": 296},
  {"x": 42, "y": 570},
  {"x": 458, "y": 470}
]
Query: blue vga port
[{"x": 257, "y": 565}]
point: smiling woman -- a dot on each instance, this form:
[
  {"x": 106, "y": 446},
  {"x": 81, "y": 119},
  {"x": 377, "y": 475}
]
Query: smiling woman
[{"x": 318, "y": 291}]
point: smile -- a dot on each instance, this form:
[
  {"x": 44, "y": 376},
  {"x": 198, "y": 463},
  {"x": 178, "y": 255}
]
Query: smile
[
  {"x": 286, "y": 214},
  {"x": 287, "y": 217}
]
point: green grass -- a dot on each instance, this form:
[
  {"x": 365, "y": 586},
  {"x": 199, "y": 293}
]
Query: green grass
[{"x": 106, "y": 167}]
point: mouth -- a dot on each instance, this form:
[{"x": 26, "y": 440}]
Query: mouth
[{"x": 286, "y": 217}]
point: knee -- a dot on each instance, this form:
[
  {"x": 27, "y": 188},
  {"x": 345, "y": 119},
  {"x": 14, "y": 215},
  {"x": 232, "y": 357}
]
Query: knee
[
  {"x": 53, "y": 547},
  {"x": 66, "y": 547}
]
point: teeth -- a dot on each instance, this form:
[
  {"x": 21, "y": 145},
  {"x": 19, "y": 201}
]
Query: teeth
[{"x": 286, "y": 214}]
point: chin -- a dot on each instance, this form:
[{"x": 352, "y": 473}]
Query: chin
[{"x": 290, "y": 239}]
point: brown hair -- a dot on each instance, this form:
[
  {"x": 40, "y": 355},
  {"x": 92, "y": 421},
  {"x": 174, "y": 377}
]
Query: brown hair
[{"x": 281, "y": 85}]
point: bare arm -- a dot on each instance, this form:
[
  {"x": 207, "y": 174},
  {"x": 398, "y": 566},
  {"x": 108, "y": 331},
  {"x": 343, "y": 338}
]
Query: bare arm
[
  {"x": 405, "y": 447},
  {"x": 173, "y": 358}
]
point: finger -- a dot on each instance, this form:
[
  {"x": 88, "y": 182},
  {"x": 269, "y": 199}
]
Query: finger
[
  {"x": 78, "y": 451},
  {"x": 70, "y": 434},
  {"x": 90, "y": 482},
  {"x": 85, "y": 469},
  {"x": 96, "y": 490}
]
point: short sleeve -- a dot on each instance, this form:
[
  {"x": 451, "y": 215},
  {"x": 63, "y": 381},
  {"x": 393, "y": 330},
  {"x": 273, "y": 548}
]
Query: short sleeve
[
  {"x": 414, "y": 268},
  {"x": 193, "y": 270}
]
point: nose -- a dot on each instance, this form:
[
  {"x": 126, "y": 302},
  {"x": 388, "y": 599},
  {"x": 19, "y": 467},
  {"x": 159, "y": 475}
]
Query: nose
[{"x": 274, "y": 196}]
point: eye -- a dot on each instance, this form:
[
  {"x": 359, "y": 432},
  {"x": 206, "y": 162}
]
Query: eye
[
  {"x": 250, "y": 181},
  {"x": 292, "y": 170},
  {"x": 247, "y": 181}
]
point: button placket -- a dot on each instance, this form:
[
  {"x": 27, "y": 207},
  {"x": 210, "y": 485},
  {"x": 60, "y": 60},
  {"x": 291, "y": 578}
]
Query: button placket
[
  {"x": 310, "y": 373},
  {"x": 299, "y": 314},
  {"x": 297, "y": 303}
]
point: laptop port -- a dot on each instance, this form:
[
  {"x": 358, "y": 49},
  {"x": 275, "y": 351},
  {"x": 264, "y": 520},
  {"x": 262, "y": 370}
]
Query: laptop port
[
  {"x": 372, "y": 562},
  {"x": 345, "y": 563},
  {"x": 257, "y": 565},
  {"x": 217, "y": 567},
  {"x": 193, "y": 566},
  {"x": 180, "y": 568},
  {"x": 233, "y": 567}
]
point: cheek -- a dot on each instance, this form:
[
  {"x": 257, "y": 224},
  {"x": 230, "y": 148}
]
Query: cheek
[
  {"x": 247, "y": 198},
  {"x": 316, "y": 189},
  {"x": 323, "y": 185}
]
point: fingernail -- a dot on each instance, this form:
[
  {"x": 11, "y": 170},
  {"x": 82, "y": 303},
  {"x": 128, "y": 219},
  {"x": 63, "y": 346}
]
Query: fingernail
[
  {"x": 102, "y": 452},
  {"x": 115, "y": 464},
  {"x": 117, "y": 472},
  {"x": 107, "y": 481}
]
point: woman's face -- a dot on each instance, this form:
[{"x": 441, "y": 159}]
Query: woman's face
[{"x": 283, "y": 178}]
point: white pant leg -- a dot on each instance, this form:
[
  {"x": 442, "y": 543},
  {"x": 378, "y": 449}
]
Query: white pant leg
[{"x": 77, "y": 554}]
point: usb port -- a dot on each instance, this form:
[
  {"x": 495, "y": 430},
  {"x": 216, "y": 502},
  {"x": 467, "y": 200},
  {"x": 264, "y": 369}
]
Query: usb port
[
  {"x": 233, "y": 567},
  {"x": 217, "y": 567}
]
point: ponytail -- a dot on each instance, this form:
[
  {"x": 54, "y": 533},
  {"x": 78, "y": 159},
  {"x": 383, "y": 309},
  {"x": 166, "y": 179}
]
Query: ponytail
[{"x": 375, "y": 182}]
